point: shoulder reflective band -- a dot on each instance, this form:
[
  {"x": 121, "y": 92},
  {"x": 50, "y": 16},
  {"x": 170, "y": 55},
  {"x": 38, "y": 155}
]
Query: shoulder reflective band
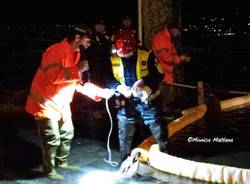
[
  {"x": 49, "y": 66},
  {"x": 45, "y": 102},
  {"x": 58, "y": 65}
]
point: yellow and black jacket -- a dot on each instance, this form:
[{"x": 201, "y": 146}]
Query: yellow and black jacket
[{"x": 142, "y": 65}]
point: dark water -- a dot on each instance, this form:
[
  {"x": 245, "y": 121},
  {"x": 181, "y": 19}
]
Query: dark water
[{"x": 226, "y": 143}]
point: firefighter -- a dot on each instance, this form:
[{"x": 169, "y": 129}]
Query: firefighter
[
  {"x": 137, "y": 77},
  {"x": 164, "y": 48},
  {"x": 52, "y": 89}
]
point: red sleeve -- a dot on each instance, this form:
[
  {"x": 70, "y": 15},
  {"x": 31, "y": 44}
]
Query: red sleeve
[{"x": 52, "y": 65}]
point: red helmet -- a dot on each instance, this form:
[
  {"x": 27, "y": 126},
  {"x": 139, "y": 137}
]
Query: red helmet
[{"x": 125, "y": 42}]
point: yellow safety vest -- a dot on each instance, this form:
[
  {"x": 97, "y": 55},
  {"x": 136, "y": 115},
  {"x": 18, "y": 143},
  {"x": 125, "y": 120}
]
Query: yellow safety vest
[{"x": 141, "y": 66}]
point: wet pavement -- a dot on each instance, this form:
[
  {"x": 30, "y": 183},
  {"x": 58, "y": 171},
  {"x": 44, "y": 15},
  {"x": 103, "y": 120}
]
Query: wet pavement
[{"x": 20, "y": 159}]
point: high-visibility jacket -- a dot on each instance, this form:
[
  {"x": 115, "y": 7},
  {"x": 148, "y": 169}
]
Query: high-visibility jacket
[
  {"x": 54, "y": 83},
  {"x": 166, "y": 53},
  {"x": 141, "y": 66}
]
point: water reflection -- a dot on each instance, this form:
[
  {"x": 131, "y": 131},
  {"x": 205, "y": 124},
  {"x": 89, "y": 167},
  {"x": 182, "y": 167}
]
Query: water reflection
[{"x": 226, "y": 144}]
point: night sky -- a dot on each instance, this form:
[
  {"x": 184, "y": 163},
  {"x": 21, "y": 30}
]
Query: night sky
[
  {"x": 65, "y": 11},
  {"x": 214, "y": 7}
]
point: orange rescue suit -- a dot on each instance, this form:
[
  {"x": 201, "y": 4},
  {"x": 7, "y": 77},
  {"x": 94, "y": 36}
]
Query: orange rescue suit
[
  {"x": 54, "y": 83},
  {"x": 166, "y": 53}
]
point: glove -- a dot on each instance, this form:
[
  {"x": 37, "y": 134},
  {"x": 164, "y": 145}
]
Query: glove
[
  {"x": 137, "y": 88},
  {"x": 124, "y": 90},
  {"x": 141, "y": 91},
  {"x": 106, "y": 93},
  {"x": 143, "y": 94},
  {"x": 146, "y": 92}
]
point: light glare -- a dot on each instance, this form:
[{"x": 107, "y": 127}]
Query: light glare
[{"x": 98, "y": 176}]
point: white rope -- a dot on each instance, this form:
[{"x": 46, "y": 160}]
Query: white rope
[{"x": 109, "y": 161}]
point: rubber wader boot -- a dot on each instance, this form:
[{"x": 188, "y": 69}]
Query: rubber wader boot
[
  {"x": 161, "y": 135},
  {"x": 55, "y": 176},
  {"x": 70, "y": 167},
  {"x": 126, "y": 134}
]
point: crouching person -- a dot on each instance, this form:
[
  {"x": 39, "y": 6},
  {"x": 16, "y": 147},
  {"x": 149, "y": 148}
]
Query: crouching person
[{"x": 52, "y": 90}]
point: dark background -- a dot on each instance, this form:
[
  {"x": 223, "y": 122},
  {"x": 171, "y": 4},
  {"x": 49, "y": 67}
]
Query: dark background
[
  {"x": 65, "y": 12},
  {"x": 216, "y": 34},
  {"x": 219, "y": 34}
]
